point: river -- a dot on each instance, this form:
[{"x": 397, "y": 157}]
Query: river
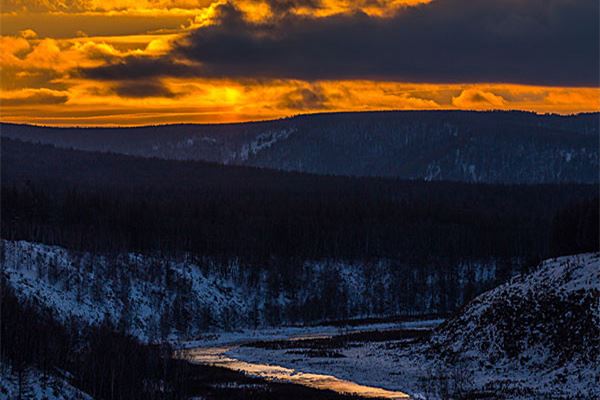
[
  {"x": 219, "y": 353},
  {"x": 217, "y": 356}
]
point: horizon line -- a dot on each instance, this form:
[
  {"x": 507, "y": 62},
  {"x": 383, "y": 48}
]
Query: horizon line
[{"x": 292, "y": 116}]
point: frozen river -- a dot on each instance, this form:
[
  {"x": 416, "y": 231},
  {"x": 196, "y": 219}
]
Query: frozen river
[
  {"x": 221, "y": 353},
  {"x": 217, "y": 356}
]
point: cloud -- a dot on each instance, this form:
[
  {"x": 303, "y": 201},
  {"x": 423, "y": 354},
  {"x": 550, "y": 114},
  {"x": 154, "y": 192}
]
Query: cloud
[
  {"x": 285, "y": 6},
  {"x": 305, "y": 99},
  {"x": 537, "y": 42},
  {"x": 44, "y": 5},
  {"x": 326, "y": 7},
  {"x": 478, "y": 99},
  {"x": 548, "y": 42},
  {"x": 256, "y": 59},
  {"x": 28, "y": 34},
  {"x": 143, "y": 89},
  {"x": 79, "y": 6},
  {"x": 34, "y": 97},
  {"x": 139, "y": 67}
]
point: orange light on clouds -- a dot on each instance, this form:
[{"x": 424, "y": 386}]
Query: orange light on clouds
[
  {"x": 95, "y": 103},
  {"x": 40, "y": 84}
]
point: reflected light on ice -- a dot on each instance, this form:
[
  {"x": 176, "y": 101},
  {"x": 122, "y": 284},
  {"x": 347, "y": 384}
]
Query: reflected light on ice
[{"x": 216, "y": 356}]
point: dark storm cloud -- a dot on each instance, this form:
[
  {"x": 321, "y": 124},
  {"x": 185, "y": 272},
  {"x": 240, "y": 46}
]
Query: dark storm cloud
[
  {"x": 135, "y": 67},
  {"x": 143, "y": 89},
  {"x": 304, "y": 99},
  {"x": 35, "y": 99},
  {"x": 545, "y": 42},
  {"x": 284, "y": 6}
]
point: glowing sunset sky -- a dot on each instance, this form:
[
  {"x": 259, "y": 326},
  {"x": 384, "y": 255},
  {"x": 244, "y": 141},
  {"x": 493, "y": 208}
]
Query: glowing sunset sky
[{"x": 128, "y": 62}]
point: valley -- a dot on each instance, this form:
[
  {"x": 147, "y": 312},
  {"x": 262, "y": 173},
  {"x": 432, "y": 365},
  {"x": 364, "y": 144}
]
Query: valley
[
  {"x": 407, "y": 356},
  {"x": 299, "y": 200},
  {"x": 172, "y": 277}
]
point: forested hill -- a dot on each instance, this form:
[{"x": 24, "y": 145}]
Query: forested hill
[
  {"x": 95, "y": 201},
  {"x": 493, "y": 147},
  {"x": 541, "y": 331}
]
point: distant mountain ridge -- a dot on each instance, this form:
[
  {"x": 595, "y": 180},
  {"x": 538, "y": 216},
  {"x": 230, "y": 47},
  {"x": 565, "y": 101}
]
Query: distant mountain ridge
[{"x": 493, "y": 147}]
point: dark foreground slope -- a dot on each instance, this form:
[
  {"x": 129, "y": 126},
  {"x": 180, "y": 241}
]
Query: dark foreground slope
[{"x": 495, "y": 147}]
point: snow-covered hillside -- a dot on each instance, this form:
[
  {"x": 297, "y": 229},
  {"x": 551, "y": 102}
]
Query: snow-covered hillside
[
  {"x": 541, "y": 329},
  {"x": 155, "y": 297},
  {"x": 261, "y": 142},
  {"x": 32, "y": 384},
  {"x": 148, "y": 297}
]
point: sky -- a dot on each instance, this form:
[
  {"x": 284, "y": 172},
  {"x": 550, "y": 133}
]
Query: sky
[{"x": 137, "y": 62}]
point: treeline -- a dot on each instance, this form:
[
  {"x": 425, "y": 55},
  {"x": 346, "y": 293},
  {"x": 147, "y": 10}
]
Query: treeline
[
  {"x": 105, "y": 202},
  {"x": 576, "y": 229}
]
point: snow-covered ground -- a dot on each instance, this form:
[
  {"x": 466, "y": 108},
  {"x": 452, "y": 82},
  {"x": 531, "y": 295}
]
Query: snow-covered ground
[
  {"x": 224, "y": 350},
  {"x": 242, "y": 336},
  {"x": 32, "y": 384},
  {"x": 262, "y": 142},
  {"x": 375, "y": 364},
  {"x": 472, "y": 352},
  {"x": 538, "y": 333},
  {"x": 143, "y": 292}
]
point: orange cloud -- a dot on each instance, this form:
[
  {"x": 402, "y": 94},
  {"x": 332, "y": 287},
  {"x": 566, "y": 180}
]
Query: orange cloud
[
  {"x": 319, "y": 8},
  {"x": 478, "y": 99},
  {"x": 69, "y": 18},
  {"x": 40, "y": 86},
  {"x": 52, "y": 40},
  {"x": 33, "y": 97},
  {"x": 204, "y": 100}
]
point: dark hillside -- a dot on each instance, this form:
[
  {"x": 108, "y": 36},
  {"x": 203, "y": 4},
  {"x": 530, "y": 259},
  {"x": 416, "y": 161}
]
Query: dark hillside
[
  {"x": 113, "y": 202},
  {"x": 466, "y": 146}
]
